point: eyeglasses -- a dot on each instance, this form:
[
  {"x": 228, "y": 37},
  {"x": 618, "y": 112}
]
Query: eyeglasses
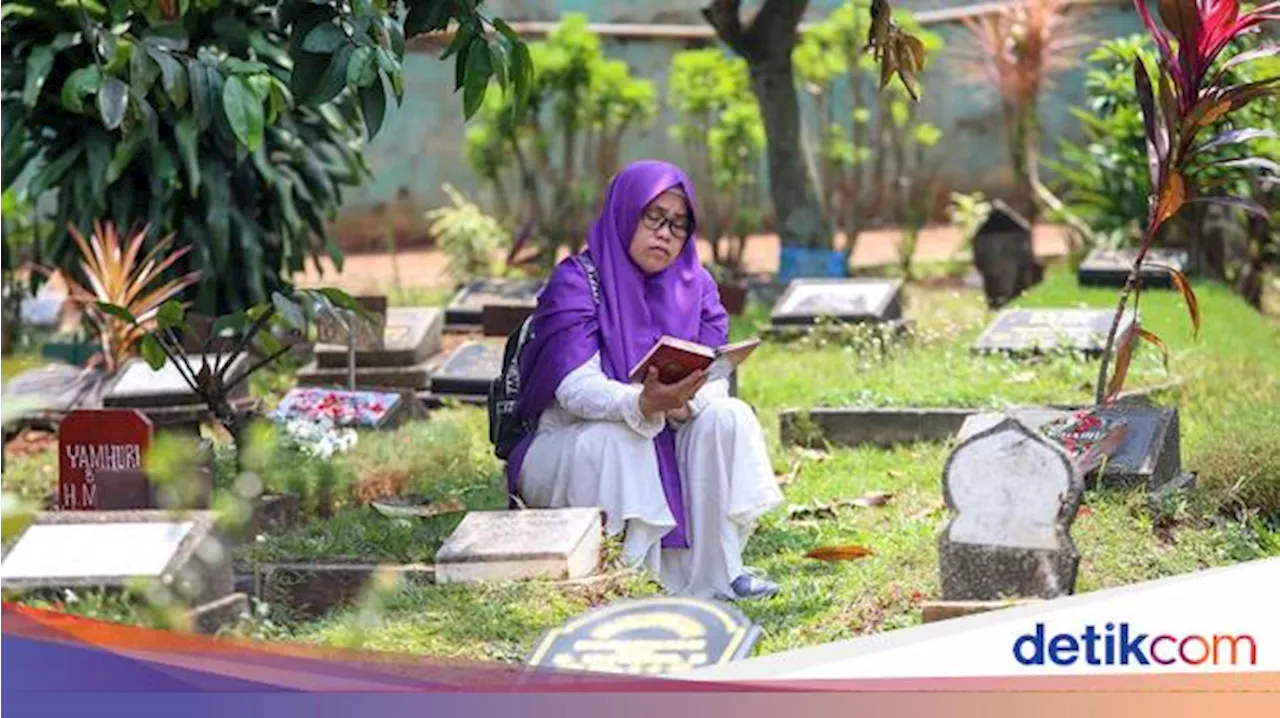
[{"x": 655, "y": 220}]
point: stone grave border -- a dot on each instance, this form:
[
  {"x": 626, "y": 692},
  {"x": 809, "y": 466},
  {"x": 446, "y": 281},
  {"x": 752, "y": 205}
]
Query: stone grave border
[
  {"x": 203, "y": 531},
  {"x": 892, "y": 303}
]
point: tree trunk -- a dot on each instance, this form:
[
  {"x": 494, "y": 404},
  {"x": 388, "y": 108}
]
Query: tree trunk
[{"x": 766, "y": 45}]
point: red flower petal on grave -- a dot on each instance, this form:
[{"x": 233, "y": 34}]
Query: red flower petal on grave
[
  {"x": 917, "y": 596},
  {"x": 1085, "y": 511}
]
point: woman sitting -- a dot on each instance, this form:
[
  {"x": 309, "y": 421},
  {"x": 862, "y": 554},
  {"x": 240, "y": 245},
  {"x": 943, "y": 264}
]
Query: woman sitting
[{"x": 681, "y": 470}]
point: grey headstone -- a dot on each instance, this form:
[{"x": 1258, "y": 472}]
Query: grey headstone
[
  {"x": 113, "y": 549},
  {"x": 1148, "y": 455},
  {"x": 514, "y": 545},
  {"x": 1033, "y": 331},
  {"x": 1003, "y": 253},
  {"x": 467, "y": 306},
  {"x": 651, "y": 636},
  {"x": 43, "y": 310},
  {"x": 806, "y": 301},
  {"x": 1110, "y": 268},
  {"x": 470, "y": 369},
  {"x": 139, "y": 386},
  {"x": 410, "y": 336},
  {"x": 1014, "y": 494},
  {"x": 59, "y": 388}
]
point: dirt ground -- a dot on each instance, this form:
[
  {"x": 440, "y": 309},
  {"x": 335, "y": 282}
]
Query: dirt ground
[{"x": 425, "y": 267}]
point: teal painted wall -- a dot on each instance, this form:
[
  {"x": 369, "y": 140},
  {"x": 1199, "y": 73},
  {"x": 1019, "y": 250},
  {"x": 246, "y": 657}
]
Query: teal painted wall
[{"x": 421, "y": 146}]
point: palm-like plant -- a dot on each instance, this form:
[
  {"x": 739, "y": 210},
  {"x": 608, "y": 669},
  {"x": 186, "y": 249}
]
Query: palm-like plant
[
  {"x": 118, "y": 273},
  {"x": 1017, "y": 50},
  {"x": 1185, "y": 98}
]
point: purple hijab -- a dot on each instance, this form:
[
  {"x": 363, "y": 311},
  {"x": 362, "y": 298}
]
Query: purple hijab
[{"x": 635, "y": 310}]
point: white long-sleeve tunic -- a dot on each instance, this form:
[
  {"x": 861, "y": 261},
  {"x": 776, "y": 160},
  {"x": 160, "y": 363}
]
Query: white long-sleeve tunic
[{"x": 594, "y": 447}]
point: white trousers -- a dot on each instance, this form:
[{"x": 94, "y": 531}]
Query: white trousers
[{"x": 728, "y": 485}]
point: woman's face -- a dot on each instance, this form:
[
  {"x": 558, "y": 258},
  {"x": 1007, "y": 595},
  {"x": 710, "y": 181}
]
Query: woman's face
[{"x": 661, "y": 232}]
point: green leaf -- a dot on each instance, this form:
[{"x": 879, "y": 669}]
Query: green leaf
[
  {"x": 97, "y": 144},
  {"x": 243, "y": 108},
  {"x": 170, "y": 36},
  {"x": 113, "y": 99},
  {"x": 506, "y": 31},
  {"x": 236, "y": 66},
  {"x": 498, "y": 61},
  {"x": 478, "y": 72},
  {"x": 324, "y": 38},
  {"x": 396, "y": 34},
  {"x": 289, "y": 311},
  {"x": 116, "y": 311},
  {"x": 335, "y": 77},
  {"x": 397, "y": 85},
  {"x": 143, "y": 71},
  {"x": 82, "y": 82},
  {"x": 373, "y": 104},
  {"x": 461, "y": 40},
  {"x": 362, "y": 69},
  {"x": 269, "y": 344},
  {"x": 426, "y": 16},
  {"x": 152, "y": 353},
  {"x": 523, "y": 70},
  {"x": 52, "y": 173},
  {"x": 186, "y": 134},
  {"x": 39, "y": 63},
  {"x": 125, "y": 151},
  {"x": 202, "y": 99},
  {"x": 170, "y": 315},
  {"x": 173, "y": 76}
]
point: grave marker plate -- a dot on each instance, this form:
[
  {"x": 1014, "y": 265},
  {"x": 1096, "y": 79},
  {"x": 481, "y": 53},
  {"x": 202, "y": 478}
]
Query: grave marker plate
[
  {"x": 511, "y": 545},
  {"x": 1029, "y": 331},
  {"x": 848, "y": 300},
  {"x": 467, "y": 306},
  {"x": 648, "y": 637},
  {"x": 92, "y": 443},
  {"x": 112, "y": 549},
  {"x": 1148, "y": 454},
  {"x": 1013, "y": 493},
  {"x": 499, "y": 320},
  {"x": 42, "y": 310},
  {"x": 1110, "y": 268},
  {"x": 470, "y": 369},
  {"x": 410, "y": 335},
  {"x": 141, "y": 387},
  {"x": 363, "y": 409}
]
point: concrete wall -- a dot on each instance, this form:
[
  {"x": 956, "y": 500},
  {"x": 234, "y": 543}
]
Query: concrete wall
[{"x": 421, "y": 146}]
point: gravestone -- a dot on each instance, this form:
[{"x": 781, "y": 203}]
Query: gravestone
[
  {"x": 57, "y": 389},
  {"x": 1004, "y": 255},
  {"x": 1021, "y": 332},
  {"x": 807, "y": 301},
  {"x": 361, "y": 409},
  {"x": 653, "y": 636},
  {"x": 469, "y": 370},
  {"x": 1148, "y": 453},
  {"x": 514, "y": 545},
  {"x": 1110, "y": 268},
  {"x": 499, "y": 320},
  {"x": 114, "y": 549},
  {"x": 401, "y": 358},
  {"x": 100, "y": 460},
  {"x": 43, "y": 311},
  {"x": 1014, "y": 494},
  {"x": 141, "y": 387},
  {"x": 466, "y": 309},
  {"x": 340, "y": 330}
]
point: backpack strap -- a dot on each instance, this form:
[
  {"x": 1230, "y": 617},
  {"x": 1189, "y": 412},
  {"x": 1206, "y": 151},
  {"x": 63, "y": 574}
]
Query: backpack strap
[{"x": 593, "y": 274}]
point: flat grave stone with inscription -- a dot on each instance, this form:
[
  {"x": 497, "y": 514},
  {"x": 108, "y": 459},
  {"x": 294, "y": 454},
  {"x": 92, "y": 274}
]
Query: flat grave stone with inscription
[
  {"x": 1021, "y": 332},
  {"x": 409, "y": 336},
  {"x": 1110, "y": 268},
  {"x": 141, "y": 387},
  {"x": 1013, "y": 493},
  {"x": 653, "y": 636},
  {"x": 1148, "y": 453},
  {"x": 469, "y": 370},
  {"x": 466, "y": 309},
  {"x": 113, "y": 549},
  {"x": 807, "y": 301},
  {"x": 513, "y": 545},
  {"x": 360, "y": 409},
  {"x": 345, "y": 328},
  {"x": 100, "y": 460}
]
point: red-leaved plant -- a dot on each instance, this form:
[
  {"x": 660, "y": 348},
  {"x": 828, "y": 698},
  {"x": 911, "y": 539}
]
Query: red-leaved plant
[{"x": 1185, "y": 98}]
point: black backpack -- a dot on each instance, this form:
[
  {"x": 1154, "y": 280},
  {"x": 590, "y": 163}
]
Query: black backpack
[{"x": 506, "y": 428}]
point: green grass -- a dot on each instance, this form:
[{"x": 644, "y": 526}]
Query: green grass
[{"x": 1230, "y": 420}]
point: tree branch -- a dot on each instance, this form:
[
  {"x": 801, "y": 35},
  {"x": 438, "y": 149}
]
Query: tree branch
[
  {"x": 242, "y": 343},
  {"x": 270, "y": 358},
  {"x": 723, "y": 16}
]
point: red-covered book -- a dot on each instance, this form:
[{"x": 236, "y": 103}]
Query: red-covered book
[{"x": 677, "y": 359}]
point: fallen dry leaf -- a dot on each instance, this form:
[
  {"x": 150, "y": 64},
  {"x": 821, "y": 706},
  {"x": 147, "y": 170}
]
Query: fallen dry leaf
[
  {"x": 814, "y": 454},
  {"x": 436, "y": 508},
  {"x": 839, "y": 553},
  {"x": 929, "y": 512},
  {"x": 1085, "y": 511}
]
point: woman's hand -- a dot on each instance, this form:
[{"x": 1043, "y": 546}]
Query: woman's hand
[
  {"x": 658, "y": 398},
  {"x": 684, "y": 413}
]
